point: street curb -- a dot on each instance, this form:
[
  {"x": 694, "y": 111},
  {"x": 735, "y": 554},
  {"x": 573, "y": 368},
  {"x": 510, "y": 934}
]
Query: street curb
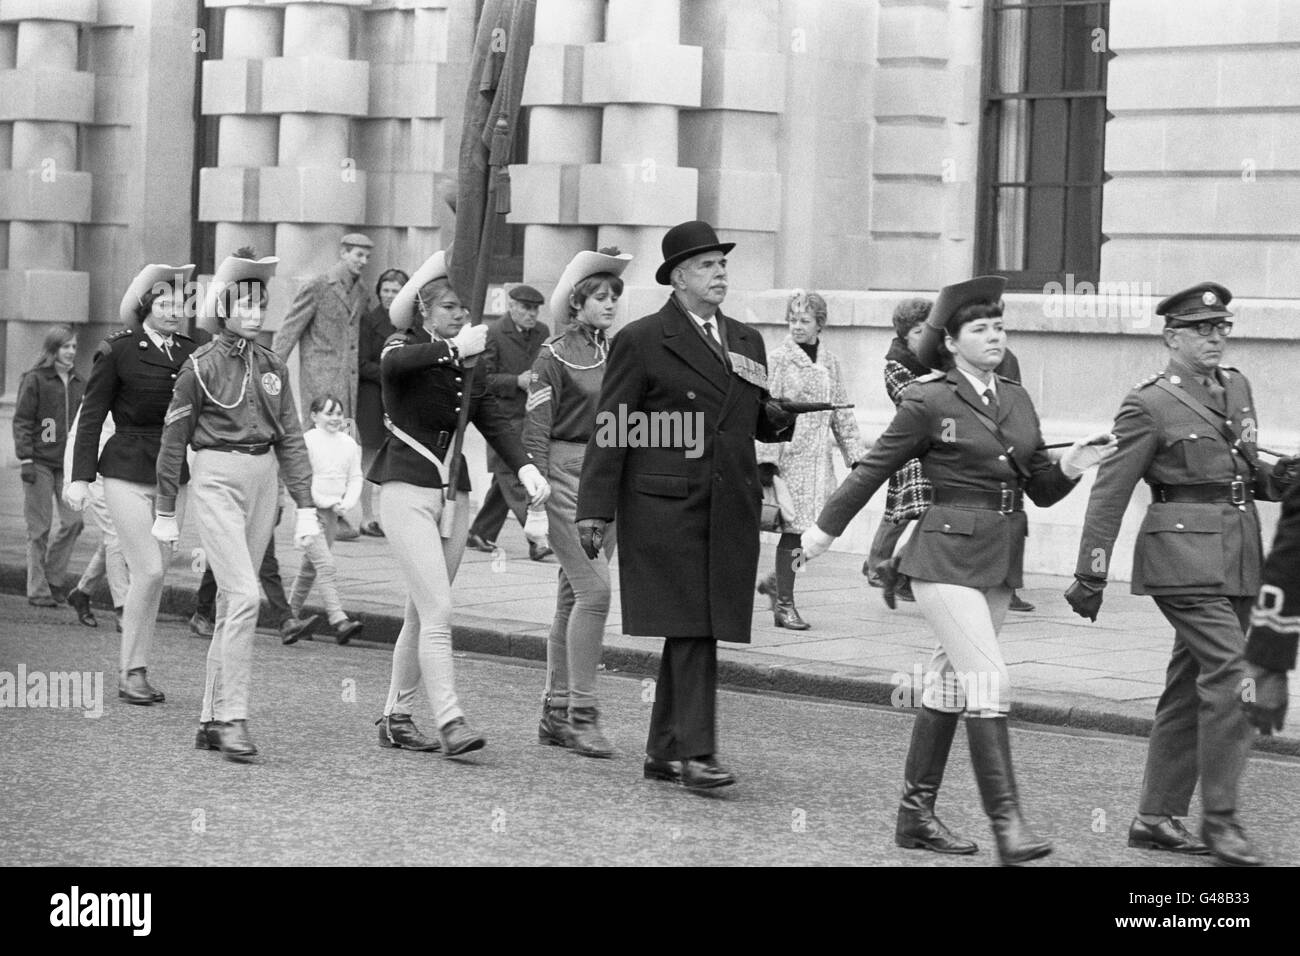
[{"x": 777, "y": 675}]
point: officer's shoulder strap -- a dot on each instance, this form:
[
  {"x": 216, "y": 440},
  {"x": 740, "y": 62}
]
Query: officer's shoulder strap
[
  {"x": 935, "y": 376},
  {"x": 1149, "y": 380},
  {"x": 120, "y": 334},
  {"x": 182, "y": 335}
]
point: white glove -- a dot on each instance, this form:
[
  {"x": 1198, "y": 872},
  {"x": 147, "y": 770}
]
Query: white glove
[
  {"x": 537, "y": 526},
  {"x": 76, "y": 493},
  {"x": 813, "y": 542},
  {"x": 1083, "y": 455},
  {"x": 471, "y": 340},
  {"x": 308, "y": 527},
  {"x": 165, "y": 528},
  {"x": 537, "y": 487}
]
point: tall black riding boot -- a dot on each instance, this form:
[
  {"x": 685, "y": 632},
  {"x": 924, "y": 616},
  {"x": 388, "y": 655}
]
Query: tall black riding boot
[
  {"x": 918, "y": 827},
  {"x": 786, "y": 615},
  {"x": 990, "y": 754}
]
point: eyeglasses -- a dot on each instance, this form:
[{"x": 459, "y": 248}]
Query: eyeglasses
[{"x": 1203, "y": 329}]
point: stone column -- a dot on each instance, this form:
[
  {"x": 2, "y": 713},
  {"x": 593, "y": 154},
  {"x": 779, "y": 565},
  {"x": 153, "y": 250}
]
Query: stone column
[{"x": 44, "y": 99}]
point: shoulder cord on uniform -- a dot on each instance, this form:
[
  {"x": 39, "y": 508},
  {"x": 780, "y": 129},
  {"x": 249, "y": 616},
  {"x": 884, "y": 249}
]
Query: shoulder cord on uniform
[
  {"x": 601, "y": 349},
  {"x": 243, "y": 388}
]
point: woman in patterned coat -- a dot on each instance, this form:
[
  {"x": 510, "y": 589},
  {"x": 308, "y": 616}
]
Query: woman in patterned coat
[{"x": 802, "y": 369}]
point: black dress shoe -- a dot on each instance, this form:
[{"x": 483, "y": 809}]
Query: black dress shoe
[
  {"x": 1168, "y": 834},
  {"x": 292, "y": 628},
  {"x": 705, "y": 773},
  {"x": 1019, "y": 604},
  {"x": 477, "y": 543},
  {"x": 135, "y": 689},
  {"x": 345, "y": 630},
  {"x": 371, "y": 529},
  {"x": 345, "y": 531},
  {"x": 235, "y": 742},
  {"x": 538, "y": 552},
  {"x": 158, "y": 696},
  {"x": 903, "y": 589},
  {"x": 398, "y": 732},
  {"x": 208, "y": 736},
  {"x": 59, "y": 594},
  {"x": 80, "y": 602},
  {"x": 458, "y": 738},
  {"x": 669, "y": 771},
  {"x": 1226, "y": 839}
]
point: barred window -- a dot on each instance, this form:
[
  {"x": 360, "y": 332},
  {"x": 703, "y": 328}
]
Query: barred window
[{"x": 1042, "y": 140}]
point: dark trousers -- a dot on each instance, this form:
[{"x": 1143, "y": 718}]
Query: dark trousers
[
  {"x": 491, "y": 518},
  {"x": 268, "y": 576},
  {"x": 1200, "y": 728},
  {"x": 683, "y": 720}
]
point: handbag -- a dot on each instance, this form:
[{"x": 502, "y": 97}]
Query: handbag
[{"x": 777, "y": 508}]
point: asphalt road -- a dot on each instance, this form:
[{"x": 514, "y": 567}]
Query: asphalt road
[{"x": 818, "y": 780}]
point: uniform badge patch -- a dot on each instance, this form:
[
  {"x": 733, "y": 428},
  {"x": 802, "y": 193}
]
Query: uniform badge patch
[
  {"x": 271, "y": 383},
  {"x": 539, "y": 397}
]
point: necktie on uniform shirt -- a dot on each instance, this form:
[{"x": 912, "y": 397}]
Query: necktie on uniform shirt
[
  {"x": 711, "y": 336},
  {"x": 991, "y": 400},
  {"x": 1218, "y": 394}
]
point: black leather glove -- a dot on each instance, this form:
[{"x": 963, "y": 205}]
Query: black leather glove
[
  {"x": 591, "y": 535},
  {"x": 767, "y": 470},
  {"x": 27, "y": 471},
  {"x": 1286, "y": 470},
  {"x": 1263, "y": 698},
  {"x": 778, "y": 417},
  {"x": 1084, "y": 596}
]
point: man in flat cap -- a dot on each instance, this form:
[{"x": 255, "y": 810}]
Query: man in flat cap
[
  {"x": 687, "y": 517},
  {"x": 1190, "y": 432},
  {"x": 512, "y": 346}
]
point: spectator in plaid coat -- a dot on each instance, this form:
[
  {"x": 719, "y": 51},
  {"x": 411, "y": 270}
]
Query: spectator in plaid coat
[{"x": 909, "y": 493}]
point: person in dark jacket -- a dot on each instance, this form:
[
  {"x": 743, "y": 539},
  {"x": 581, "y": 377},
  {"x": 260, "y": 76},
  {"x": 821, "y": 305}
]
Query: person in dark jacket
[
  {"x": 234, "y": 406},
  {"x": 978, "y": 439},
  {"x": 688, "y": 503},
  {"x": 375, "y": 331},
  {"x": 512, "y": 346},
  {"x": 49, "y": 395},
  {"x": 1190, "y": 433},
  {"x": 132, "y": 379},
  {"x": 423, "y": 371}
]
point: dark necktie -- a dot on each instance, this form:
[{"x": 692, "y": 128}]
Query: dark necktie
[
  {"x": 711, "y": 336},
  {"x": 991, "y": 400},
  {"x": 1218, "y": 394}
]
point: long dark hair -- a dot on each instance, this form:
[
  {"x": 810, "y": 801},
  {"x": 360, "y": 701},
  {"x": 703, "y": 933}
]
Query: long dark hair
[
  {"x": 391, "y": 275},
  {"x": 54, "y": 340}
]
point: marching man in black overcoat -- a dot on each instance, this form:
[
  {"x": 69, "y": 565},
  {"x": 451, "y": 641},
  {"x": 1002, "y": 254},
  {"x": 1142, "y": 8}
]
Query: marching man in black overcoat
[{"x": 688, "y": 515}]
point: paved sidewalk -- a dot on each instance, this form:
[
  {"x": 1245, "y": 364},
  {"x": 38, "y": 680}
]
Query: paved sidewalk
[{"x": 1064, "y": 670}]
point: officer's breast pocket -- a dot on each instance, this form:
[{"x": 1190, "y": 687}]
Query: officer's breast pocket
[
  {"x": 1181, "y": 545},
  {"x": 1198, "y": 447}
]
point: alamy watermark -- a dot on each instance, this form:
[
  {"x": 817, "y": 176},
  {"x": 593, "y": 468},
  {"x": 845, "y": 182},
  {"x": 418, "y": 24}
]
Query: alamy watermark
[
  {"x": 945, "y": 690},
  {"x": 1133, "y": 301},
  {"x": 64, "y": 689},
  {"x": 638, "y": 429}
]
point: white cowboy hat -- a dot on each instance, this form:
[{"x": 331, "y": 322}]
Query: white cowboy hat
[
  {"x": 580, "y": 266},
  {"x": 149, "y": 278},
  {"x": 402, "y": 313},
  {"x": 233, "y": 270}
]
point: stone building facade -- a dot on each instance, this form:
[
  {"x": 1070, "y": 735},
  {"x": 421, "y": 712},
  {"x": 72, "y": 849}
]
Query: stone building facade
[{"x": 1102, "y": 154}]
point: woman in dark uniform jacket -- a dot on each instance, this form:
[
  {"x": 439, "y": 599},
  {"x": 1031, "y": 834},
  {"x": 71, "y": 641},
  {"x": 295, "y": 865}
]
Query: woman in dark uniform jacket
[
  {"x": 375, "y": 331},
  {"x": 977, "y": 436},
  {"x": 423, "y": 374},
  {"x": 133, "y": 376}
]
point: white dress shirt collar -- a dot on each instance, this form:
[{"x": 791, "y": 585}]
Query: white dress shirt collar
[
  {"x": 156, "y": 337},
  {"x": 980, "y": 387}
]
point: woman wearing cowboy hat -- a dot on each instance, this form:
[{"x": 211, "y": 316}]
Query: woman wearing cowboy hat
[
  {"x": 422, "y": 372},
  {"x": 561, "y": 419},
  {"x": 977, "y": 436},
  {"x": 134, "y": 373},
  {"x": 233, "y": 404}
]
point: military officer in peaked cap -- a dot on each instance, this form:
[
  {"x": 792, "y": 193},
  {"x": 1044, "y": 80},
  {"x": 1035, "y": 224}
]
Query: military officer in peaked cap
[
  {"x": 1190, "y": 432},
  {"x": 134, "y": 373}
]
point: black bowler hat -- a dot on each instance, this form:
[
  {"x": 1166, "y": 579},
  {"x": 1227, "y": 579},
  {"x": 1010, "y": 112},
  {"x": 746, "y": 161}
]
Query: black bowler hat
[
  {"x": 949, "y": 301},
  {"x": 1208, "y": 300},
  {"x": 685, "y": 240},
  {"x": 526, "y": 294}
]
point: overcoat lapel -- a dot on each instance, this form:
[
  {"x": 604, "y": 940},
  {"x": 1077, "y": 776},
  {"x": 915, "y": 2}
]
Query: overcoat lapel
[{"x": 687, "y": 344}]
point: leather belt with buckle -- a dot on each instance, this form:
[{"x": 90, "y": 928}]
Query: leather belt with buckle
[
  {"x": 1232, "y": 493},
  {"x": 261, "y": 449},
  {"x": 1005, "y": 501}
]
